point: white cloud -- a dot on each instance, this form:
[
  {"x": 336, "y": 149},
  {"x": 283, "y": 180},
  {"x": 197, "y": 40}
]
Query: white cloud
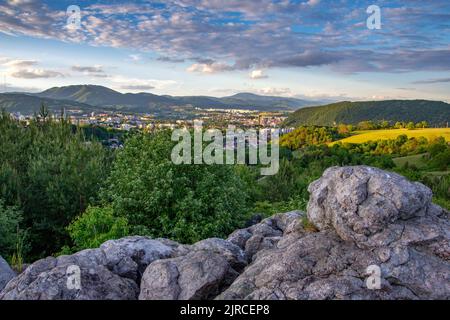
[
  {"x": 135, "y": 57},
  {"x": 135, "y": 84},
  {"x": 275, "y": 91},
  {"x": 35, "y": 74},
  {"x": 209, "y": 68},
  {"x": 258, "y": 74},
  {"x": 26, "y": 69}
]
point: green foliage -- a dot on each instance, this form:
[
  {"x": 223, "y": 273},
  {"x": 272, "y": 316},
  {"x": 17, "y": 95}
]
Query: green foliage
[
  {"x": 52, "y": 174},
  {"x": 11, "y": 234},
  {"x": 182, "y": 202},
  {"x": 307, "y": 136},
  {"x": 435, "y": 113},
  {"x": 95, "y": 226}
]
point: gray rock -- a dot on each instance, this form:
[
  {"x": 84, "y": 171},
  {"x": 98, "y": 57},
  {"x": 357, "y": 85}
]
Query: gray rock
[
  {"x": 360, "y": 202},
  {"x": 111, "y": 272},
  {"x": 6, "y": 273},
  {"x": 199, "y": 275},
  {"x": 130, "y": 256},
  {"x": 50, "y": 279},
  {"x": 234, "y": 255},
  {"x": 365, "y": 217}
]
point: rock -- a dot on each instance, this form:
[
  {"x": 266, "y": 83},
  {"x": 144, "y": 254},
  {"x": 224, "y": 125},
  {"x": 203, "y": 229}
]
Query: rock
[
  {"x": 6, "y": 273},
  {"x": 50, "y": 279},
  {"x": 360, "y": 202},
  {"x": 234, "y": 255},
  {"x": 198, "y": 275},
  {"x": 266, "y": 234},
  {"x": 111, "y": 272},
  {"x": 366, "y": 217},
  {"x": 253, "y": 220},
  {"x": 130, "y": 256}
]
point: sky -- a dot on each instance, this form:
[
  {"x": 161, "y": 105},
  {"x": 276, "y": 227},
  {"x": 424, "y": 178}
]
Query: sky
[{"x": 313, "y": 49}]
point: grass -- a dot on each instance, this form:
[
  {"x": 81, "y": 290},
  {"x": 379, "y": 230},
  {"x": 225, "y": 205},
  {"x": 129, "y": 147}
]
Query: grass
[
  {"x": 388, "y": 134},
  {"x": 418, "y": 160}
]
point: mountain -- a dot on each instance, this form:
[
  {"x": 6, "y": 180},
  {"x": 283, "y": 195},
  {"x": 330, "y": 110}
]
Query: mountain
[
  {"x": 28, "y": 104},
  {"x": 100, "y": 96},
  {"x": 434, "y": 112},
  {"x": 146, "y": 102}
]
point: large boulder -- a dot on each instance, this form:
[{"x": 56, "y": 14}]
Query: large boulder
[
  {"x": 6, "y": 273},
  {"x": 198, "y": 275},
  {"x": 111, "y": 272},
  {"x": 129, "y": 257},
  {"x": 207, "y": 269},
  {"x": 359, "y": 203},
  {"x": 366, "y": 219}
]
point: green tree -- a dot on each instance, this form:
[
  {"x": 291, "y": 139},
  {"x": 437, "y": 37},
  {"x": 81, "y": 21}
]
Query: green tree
[
  {"x": 10, "y": 229},
  {"x": 410, "y": 125},
  {"x": 182, "y": 202},
  {"x": 52, "y": 174}
]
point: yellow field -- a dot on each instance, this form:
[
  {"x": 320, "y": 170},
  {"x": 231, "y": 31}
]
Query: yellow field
[{"x": 388, "y": 134}]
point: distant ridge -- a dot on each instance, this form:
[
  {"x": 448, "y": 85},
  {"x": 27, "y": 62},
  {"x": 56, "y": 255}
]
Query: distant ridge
[
  {"x": 436, "y": 113},
  {"x": 103, "y": 97}
]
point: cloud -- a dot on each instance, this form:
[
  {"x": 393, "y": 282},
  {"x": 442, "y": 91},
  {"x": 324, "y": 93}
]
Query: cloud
[
  {"x": 19, "y": 63},
  {"x": 253, "y": 34},
  {"x": 92, "y": 71},
  {"x": 35, "y": 74},
  {"x": 275, "y": 91},
  {"x": 137, "y": 87},
  {"x": 431, "y": 81},
  {"x": 170, "y": 59},
  {"x": 209, "y": 68},
  {"x": 258, "y": 74},
  {"x": 27, "y": 69},
  {"x": 135, "y": 57},
  {"x": 135, "y": 84}
]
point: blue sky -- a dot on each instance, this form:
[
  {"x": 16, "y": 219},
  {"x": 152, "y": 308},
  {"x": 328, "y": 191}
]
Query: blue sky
[{"x": 316, "y": 49}]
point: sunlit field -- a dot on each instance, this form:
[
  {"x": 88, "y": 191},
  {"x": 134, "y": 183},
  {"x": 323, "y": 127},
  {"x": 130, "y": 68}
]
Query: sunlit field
[{"x": 373, "y": 135}]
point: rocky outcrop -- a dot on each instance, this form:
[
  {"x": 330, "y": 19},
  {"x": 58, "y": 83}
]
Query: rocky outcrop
[
  {"x": 111, "y": 272},
  {"x": 6, "y": 273},
  {"x": 367, "y": 219},
  {"x": 367, "y": 234}
]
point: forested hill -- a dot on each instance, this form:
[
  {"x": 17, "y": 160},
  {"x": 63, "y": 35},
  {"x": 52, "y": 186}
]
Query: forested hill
[{"x": 436, "y": 113}]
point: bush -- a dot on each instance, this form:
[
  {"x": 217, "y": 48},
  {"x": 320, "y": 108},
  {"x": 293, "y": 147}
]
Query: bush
[
  {"x": 94, "y": 227},
  {"x": 185, "y": 203}
]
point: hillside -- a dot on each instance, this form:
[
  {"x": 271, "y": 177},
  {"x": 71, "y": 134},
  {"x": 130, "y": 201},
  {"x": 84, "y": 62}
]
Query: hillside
[
  {"x": 28, "y": 104},
  {"x": 436, "y": 113}
]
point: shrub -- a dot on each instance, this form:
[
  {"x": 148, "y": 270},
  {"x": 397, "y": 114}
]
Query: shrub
[
  {"x": 186, "y": 203},
  {"x": 96, "y": 226}
]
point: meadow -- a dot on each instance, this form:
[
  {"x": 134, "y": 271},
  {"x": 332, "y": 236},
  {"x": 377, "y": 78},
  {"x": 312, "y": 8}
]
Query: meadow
[{"x": 389, "y": 134}]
